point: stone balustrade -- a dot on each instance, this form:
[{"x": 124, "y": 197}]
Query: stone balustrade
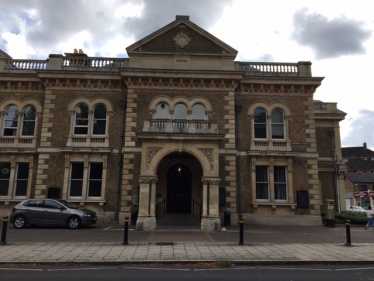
[
  {"x": 93, "y": 62},
  {"x": 302, "y": 68},
  {"x": 180, "y": 126},
  {"x": 25, "y": 64}
]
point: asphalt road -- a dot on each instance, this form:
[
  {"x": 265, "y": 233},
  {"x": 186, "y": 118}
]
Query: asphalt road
[{"x": 252, "y": 234}]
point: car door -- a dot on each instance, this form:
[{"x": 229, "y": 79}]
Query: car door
[
  {"x": 34, "y": 211},
  {"x": 54, "y": 212}
]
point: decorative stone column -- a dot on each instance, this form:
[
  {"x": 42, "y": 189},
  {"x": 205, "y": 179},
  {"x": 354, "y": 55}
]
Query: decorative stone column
[
  {"x": 147, "y": 199},
  {"x": 211, "y": 221}
]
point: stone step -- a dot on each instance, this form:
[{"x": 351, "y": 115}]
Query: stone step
[{"x": 178, "y": 219}]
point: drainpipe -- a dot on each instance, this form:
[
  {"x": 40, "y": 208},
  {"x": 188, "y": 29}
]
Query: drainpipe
[
  {"x": 238, "y": 108},
  {"x": 337, "y": 193},
  {"x": 122, "y": 104}
]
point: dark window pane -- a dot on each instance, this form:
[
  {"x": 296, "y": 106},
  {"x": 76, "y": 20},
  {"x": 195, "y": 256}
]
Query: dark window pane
[
  {"x": 10, "y": 132},
  {"x": 99, "y": 127},
  {"x": 80, "y": 130},
  {"x": 11, "y": 124},
  {"x": 81, "y": 122},
  {"x": 29, "y": 113},
  {"x": 52, "y": 204},
  {"x": 260, "y": 131},
  {"x": 23, "y": 171},
  {"x": 260, "y": 115},
  {"x": 100, "y": 112},
  {"x": 96, "y": 171},
  {"x": 94, "y": 188},
  {"x": 21, "y": 188},
  {"x": 77, "y": 171},
  {"x": 28, "y": 128},
  {"x": 4, "y": 185},
  {"x": 262, "y": 183},
  {"x": 76, "y": 188},
  {"x": 280, "y": 183},
  {"x": 81, "y": 111}
]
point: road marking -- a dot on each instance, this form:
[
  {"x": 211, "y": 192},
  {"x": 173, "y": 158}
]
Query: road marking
[
  {"x": 88, "y": 268},
  {"x": 297, "y": 268},
  {"x": 157, "y": 268},
  {"x": 108, "y": 228},
  {"x": 21, "y": 269},
  {"x": 358, "y": 268}
]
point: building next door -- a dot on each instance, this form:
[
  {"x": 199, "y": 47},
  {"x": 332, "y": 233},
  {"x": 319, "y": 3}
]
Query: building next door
[{"x": 179, "y": 184}]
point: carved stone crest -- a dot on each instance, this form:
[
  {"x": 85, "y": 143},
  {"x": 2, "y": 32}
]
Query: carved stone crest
[
  {"x": 182, "y": 39},
  {"x": 209, "y": 155},
  {"x": 151, "y": 152}
]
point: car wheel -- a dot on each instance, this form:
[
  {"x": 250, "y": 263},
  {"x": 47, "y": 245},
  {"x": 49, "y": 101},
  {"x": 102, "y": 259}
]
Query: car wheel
[
  {"x": 19, "y": 222},
  {"x": 74, "y": 222}
]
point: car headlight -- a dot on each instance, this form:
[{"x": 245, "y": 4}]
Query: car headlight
[{"x": 86, "y": 215}]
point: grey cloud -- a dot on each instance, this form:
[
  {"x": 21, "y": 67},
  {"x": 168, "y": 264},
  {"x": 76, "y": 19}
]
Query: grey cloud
[
  {"x": 361, "y": 131},
  {"x": 60, "y": 20},
  {"x": 329, "y": 38}
]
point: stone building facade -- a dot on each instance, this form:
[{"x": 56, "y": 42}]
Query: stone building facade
[{"x": 178, "y": 127}]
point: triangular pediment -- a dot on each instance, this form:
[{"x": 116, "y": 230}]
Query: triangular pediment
[
  {"x": 182, "y": 37},
  {"x": 4, "y": 55}
]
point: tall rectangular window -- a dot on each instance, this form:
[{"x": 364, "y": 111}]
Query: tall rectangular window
[
  {"x": 4, "y": 178},
  {"x": 22, "y": 179},
  {"x": 262, "y": 182},
  {"x": 280, "y": 183},
  {"x": 95, "y": 180},
  {"x": 76, "y": 179}
]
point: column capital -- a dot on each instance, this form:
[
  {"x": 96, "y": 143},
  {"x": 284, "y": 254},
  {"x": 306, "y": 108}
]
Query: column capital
[
  {"x": 147, "y": 179},
  {"x": 215, "y": 181}
]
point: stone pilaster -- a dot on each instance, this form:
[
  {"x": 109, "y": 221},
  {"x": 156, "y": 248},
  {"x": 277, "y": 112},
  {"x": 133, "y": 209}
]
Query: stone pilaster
[{"x": 230, "y": 120}]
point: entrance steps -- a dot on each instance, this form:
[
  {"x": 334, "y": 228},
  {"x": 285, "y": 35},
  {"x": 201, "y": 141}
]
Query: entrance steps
[{"x": 178, "y": 220}]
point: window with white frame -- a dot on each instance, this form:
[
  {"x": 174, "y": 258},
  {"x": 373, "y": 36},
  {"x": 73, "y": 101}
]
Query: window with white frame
[
  {"x": 81, "y": 120},
  {"x": 262, "y": 182},
  {"x": 20, "y": 189},
  {"x": 99, "y": 120},
  {"x": 11, "y": 125},
  {"x": 260, "y": 124},
  {"x": 277, "y": 124},
  {"x": 11, "y": 121},
  {"x": 93, "y": 182},
  {"x": 280, "y": 183},
  {"x": 4, "y": 178}
]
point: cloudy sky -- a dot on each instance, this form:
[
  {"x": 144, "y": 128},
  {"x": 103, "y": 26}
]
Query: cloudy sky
[{"x": 337, "y": 36}]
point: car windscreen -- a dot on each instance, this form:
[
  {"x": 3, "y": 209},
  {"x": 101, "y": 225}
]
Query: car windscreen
[{"x": 68, "y": 204}]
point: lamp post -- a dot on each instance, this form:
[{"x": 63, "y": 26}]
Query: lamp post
[{"x": 122, "y": 104}]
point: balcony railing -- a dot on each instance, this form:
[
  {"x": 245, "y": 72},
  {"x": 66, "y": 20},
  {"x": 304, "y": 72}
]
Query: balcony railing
[
  {"x": 180, "y": 126},
  {"x": 19, "y": 142},
  {"x": 93, "y": 62},
  {"x": 25, "y": 64},
  {"x": 270, "y": 145}
]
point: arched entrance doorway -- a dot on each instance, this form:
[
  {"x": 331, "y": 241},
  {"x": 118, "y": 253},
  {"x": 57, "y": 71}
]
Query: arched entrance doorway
[{"x": 179, "y": 189}]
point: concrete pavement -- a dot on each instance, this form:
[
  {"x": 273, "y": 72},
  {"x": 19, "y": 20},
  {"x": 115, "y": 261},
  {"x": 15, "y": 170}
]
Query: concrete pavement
[{"x": 190, "y": 245}]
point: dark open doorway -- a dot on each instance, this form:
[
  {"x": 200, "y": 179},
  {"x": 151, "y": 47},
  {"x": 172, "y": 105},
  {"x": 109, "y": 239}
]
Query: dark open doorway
[{"x": 179, "y": 183}]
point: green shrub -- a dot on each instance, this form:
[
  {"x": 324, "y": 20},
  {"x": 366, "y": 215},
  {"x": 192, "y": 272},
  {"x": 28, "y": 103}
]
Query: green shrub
[{"x": 353, "y": 217}]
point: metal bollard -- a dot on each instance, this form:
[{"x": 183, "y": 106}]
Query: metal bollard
[
  {"x": 3, "y": 233},
  {"x": 348, "y": 231},
  {"x": 126, "y": 233},
  {"x": 241, "y": 222}
]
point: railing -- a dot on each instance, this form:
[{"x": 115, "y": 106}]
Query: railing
[
  {"x": 180, "y": 126},
  {"x": 93, "y": 62},
  {"x": 276, "y": 69},
  {"x": 284, "y": 145},
  {"x": 320, "y": 106},
  {"x": 26, "y": 64},
  {"x": 163, "y": 211},
  {"x": 193, "y": 208}
]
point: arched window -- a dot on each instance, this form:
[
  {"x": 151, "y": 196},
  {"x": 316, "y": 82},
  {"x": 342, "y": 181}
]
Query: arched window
[
  {"x": 277, "y": 124},
  {"x": 99, "y": 120},
  {"x": 260, "y": 124},
  {"x": 180, "y": 111},
  {"x": 11, "y": 121},
  {"x": 81, "y": 120},
  {"x": 198, "y": 112},
  {"x": 28, "y": 121},
  {"x": 162, "y": 111}
]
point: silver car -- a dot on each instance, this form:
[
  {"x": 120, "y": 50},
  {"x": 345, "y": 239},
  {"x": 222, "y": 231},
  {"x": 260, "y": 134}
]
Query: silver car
[{"x": 50, "y": 212}]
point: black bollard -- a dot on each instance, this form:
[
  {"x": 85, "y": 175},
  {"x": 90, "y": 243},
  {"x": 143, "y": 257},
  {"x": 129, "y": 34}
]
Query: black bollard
[
  {"x": 126, "y": 234},
  {"x": 348, "y": 232},
  {"x": 3, "y": 233},
  {"x": 241, "y": 222}
]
